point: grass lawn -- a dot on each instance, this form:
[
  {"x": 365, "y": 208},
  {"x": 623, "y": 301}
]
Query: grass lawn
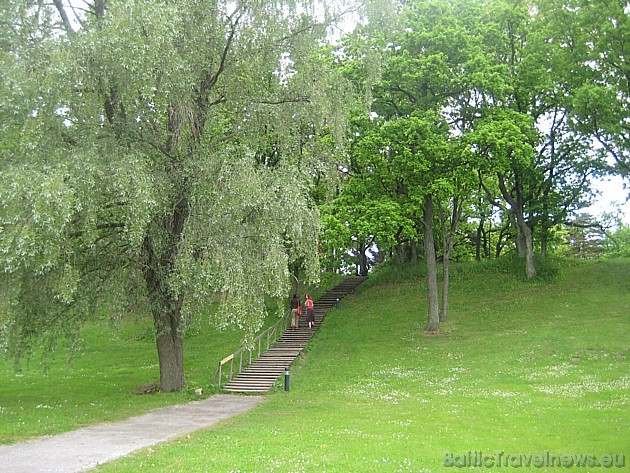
[
  {"x": 520, "y": 368},
  {"x": 101, "y": 382},
  {"x": 100, "y": 385}
]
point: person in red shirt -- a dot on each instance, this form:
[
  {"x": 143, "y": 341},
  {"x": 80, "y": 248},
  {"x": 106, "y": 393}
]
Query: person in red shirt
[{"x": 310, "y": 313}]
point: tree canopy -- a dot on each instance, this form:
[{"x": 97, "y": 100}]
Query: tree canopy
[
  {"x": 172, "y": 142},
  {"x": 534, "y": 101}
]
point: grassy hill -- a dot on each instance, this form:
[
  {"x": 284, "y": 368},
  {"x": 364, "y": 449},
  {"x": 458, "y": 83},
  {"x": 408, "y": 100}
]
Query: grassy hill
[{"x": 521, "y": 368}]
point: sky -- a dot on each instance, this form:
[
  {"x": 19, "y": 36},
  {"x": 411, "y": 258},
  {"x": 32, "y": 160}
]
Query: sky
[{"x": 612, "y": 195}]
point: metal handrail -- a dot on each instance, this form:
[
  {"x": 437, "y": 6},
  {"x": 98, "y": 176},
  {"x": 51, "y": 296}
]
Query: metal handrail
[{"x": 275, "y": 331}]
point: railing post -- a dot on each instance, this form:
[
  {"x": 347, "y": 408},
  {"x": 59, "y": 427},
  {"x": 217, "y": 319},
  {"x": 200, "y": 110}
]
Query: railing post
[{"x": 220, "y": 365}]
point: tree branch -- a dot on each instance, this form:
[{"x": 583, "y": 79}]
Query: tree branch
[
  {"x": 211, "y": 78},
  {"x": 595, "y": 225},
  {"x": 283, "y": 101},
  {"x": 64, "y": 16}
]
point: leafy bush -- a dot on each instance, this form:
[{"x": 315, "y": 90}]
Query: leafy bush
[{"x": 618, "y": 244}]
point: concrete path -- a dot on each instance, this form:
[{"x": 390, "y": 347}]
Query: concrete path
[{"x": 86, "y": 448}]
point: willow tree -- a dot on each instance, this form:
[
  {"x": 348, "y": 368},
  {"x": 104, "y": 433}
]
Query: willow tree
[{"x": 172, "y": 140}]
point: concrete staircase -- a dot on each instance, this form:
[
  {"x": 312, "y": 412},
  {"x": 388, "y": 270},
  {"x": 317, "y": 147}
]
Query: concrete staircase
[{"x": 261, "y": 374}]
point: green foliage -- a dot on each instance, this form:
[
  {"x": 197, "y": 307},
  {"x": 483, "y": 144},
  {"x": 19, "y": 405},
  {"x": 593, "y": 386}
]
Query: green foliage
[
  {"x": 178, "y": 141},
  {"x": 528, "y": 85},
  {"x": 600, "y": 106},
  {"x": 617, "y": 245}
]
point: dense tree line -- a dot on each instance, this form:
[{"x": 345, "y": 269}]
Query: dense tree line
[{"x": 487, "y": 125}]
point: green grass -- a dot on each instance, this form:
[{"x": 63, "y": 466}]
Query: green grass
[
  {"x": 101, "y": 382},
  {"x": 116, "y": 359},
  {"x": 520, "y": 367},
  {"x": 525, "y": 368}
]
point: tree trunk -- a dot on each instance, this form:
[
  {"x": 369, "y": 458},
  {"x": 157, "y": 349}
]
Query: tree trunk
[
  {"x": 530, "y": 267},
  {"x": 526, "y": 243},
  {"x": 166, "y": 306},
  {"x": 544, "y": 234},
  {"x": 296, "y": 279},
  {"x": 446, "y": 280},
  {"x": 544, "y": 242},
  {"x": 400, "y": 253},
  {"x": 167, "y": 321},
  {"x": 170, "y": 348},
  {"x": 449, "y": 228},
  {"x": 414, "y": 252},
  {"x": 363, "y": 268},
  {"x": 524, "y": 240},
  {"x": 521, "y": 243},
  {"x": 478, "y": 240},
  {"x": 432, "y": 287}
]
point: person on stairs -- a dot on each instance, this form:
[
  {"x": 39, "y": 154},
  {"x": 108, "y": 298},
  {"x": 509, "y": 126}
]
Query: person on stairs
[
  {"x": 295, "y": 312},
  {"x": 310, "y": 312}
]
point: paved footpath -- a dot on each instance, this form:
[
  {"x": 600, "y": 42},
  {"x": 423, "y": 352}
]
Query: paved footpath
[{"x": 86, "y": 448}]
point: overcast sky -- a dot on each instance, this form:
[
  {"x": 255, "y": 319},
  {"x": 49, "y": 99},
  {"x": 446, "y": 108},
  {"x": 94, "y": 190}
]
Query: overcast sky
[{"x": 613, "y": 194}]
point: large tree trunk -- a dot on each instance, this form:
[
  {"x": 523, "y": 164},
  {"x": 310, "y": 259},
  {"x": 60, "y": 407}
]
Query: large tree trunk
[
  {"x": 166, "y": 306},
  {"x": 170, "y": 348},
  {"x": 433, "y": 324},
  {"x": 167, "y": 321}
]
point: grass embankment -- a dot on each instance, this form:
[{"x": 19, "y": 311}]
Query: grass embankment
[{"x": 523, "y": 368}]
